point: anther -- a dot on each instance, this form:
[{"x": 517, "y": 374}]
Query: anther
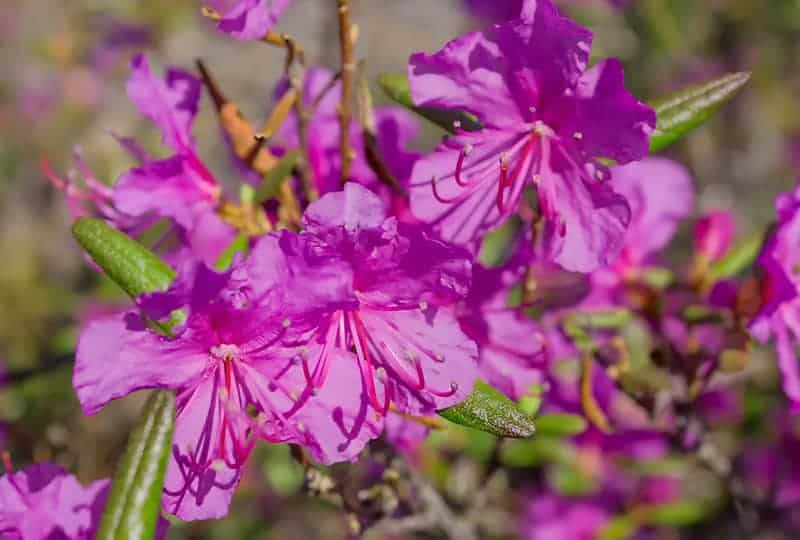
[
  {"x": 457, "y": 124},
  {"x": 578, "y": 135},
  {"x": 467, "y": 149},
  {"x": 286, "y": 323},
  {"x": 423, "y": 306}
]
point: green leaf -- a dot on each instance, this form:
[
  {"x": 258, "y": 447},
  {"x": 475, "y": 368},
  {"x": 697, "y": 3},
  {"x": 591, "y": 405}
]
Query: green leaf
[
  {"x": 619, "y": 528},
  {"x": 738, "y": 259},
  {"x": 240, "y": 244},
  {"x": 277, "y": 175},
  {"x": 560, "y": 424},
  {"x": 690, "y": 107},
  {"x": 395, "y": 86},
  {"x": 488, "y": 410},
  {"x": 676, "y": 514},
  {"x": 131, "y": 265},
  {"x": 134, "y": 501}
]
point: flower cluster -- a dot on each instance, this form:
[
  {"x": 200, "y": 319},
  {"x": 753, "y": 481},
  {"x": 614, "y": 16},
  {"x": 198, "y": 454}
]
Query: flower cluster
[{"x": 360, "y": 304}]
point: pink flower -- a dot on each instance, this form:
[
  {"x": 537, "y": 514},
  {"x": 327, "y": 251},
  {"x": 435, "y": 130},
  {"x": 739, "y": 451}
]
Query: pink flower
[
  {"x": 779, "y": 316},
  {"x": 713, "y": 234},
  {"x": 249, "y": 19},
  {"x": 545, "y": 118},
  {"x": 235, "y": 370},
  {"x": 43, "y": 501},
  {"x": 378, "y": 295}
]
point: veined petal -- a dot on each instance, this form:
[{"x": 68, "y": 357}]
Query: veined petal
[
  {"x": 429, "y": 362},
  {"x": 585, "y": 222},
  {"x": 171, "y": 104},
  {"x": 354, "y": 208},
  {"x": 200, "y": 478},
  {"x": 118, "y": 355},
  {"x": 468, "y": 74},
  {"x": 169, "y": 187},
  {"x": 251, "y": 19},
  {"x": 611, "y": 122}
]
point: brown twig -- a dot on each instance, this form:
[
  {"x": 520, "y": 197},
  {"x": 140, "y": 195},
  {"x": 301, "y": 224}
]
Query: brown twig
[
  {"x": 348, "y": 72},
  {"x": 371, "y": 148}
]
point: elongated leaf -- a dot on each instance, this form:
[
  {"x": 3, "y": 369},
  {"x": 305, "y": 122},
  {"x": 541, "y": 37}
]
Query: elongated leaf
[
  {"x": 488, "y": 410},
  {"x": 395, "y": 86},
  {"x": 131, "y": 265},
  {"x": 560, "y": 424},
  {"x": 687, "y": 109},
  {"x": 134, "y": 501},
  {"x": 676, "y": 514},
  {"x": 738, "y": 259}
]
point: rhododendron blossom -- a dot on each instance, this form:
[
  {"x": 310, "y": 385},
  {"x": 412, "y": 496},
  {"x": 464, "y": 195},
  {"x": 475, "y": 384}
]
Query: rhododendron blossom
[
  {"x": 43, "y": 501},
  {"x": 234, "y": 369},
  {"x": 379, "y": 292},
  {"x": 545, "y": 118}
]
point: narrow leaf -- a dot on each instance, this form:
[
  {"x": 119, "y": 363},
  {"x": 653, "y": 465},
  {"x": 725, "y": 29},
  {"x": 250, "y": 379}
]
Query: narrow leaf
[
  {"x": 560, "y": 424},
  {"x": 676, "y": 514},
  {"x": 395, "y": 86},
  {"x": 690, "y": 107},
  {"x": 134, "y": 501},
  {"x": 131, "y": 265},
  {"x": 488, "y": 410}
]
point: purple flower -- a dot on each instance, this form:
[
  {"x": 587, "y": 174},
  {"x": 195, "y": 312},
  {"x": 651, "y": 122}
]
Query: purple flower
[
  {"x": 249, "y": 19},
  {"x": 713, "y": 234},
  {"x": 43, "y": 501},
  {"x": 379, "y": 293},
  {"x": 237, "y": 378},
  {"x": 179, "y": 187},
  {"x": 779, "y": 317},
  {"x": 545, "y": 118},
  {"x": 661, "y": 195},
  {"x": 395, "y": 129},
  {"x": 551, "y": 516}
]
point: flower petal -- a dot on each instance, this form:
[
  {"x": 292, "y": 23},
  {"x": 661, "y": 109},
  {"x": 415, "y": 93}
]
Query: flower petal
[
  {"x": 354, "y": 208},
  {"x": 252, "y": 19},
  {"x": 613, "y": 123},
  {"x": 171, "y": 104},
  {"x": 118, "y": 355}
]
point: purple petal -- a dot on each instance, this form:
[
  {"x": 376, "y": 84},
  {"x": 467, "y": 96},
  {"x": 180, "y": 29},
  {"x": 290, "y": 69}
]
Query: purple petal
[
  {"x": 119, "y": 355},
  {"x": 586, "y": 225},
  {"x": 353, "y": 208},
  {"x": 170, "y": 187},
  {"x": 251, "y": 19},
  {"x": 171, "y": 104},
  {"x": 660, "y": 194},
  {"x": 468, "y": 74},
  {"x": 613, "y": 124},
  {"x": 198, "y": 483},
  {"x": 430, "y": 343}
]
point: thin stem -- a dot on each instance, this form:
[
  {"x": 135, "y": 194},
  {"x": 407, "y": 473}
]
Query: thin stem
[{"x": 348, "y": 73}]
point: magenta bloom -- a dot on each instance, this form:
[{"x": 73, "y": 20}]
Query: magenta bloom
[
  {"x": 248, "y": 19},
  {"x": 237, "y": 377},
  {"x": 179, "y": 187},
  {"x": 44, "y": 501},
  {"x": 379, "y": 293},
  {"x": 545, "y": 118},
  {"x": 661, "y": 195},
  {"x": 780, "y": 314},
  {"x": 714, "y": 233}
]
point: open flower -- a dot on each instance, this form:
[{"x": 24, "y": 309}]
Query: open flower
[
  {"x": 236, "y": 380},
  {"x": 43, "y": 501},
  {"x": 545, "y": 118},
  {"x": 779, "y": 317},
  {"x": 248, "y": 19},
  {"x": 378, "y": 292}
]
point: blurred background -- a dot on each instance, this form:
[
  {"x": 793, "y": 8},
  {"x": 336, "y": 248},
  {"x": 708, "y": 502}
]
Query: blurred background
[{"x": 64, "y": 65}]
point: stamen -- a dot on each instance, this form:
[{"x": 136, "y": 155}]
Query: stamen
[
  {"x": 578, "y": 135},
  {"x": 501, "y": 186},
  {"x": 460, "y": 164}
]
